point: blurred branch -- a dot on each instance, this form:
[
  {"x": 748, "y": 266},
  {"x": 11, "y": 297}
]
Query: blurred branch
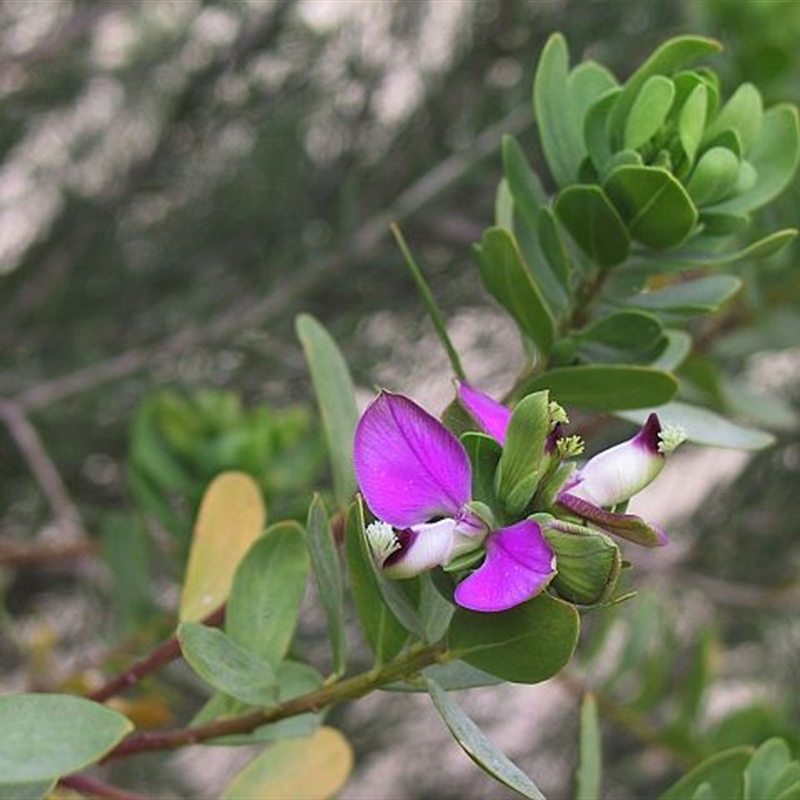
[
  {"x": 363, "y": 241},
  {"x": 96, "y": 218},
  {"x": 25, "y": 554},
  {"x": 784, "y": 599},
  {"x": 41, "y": 465}
]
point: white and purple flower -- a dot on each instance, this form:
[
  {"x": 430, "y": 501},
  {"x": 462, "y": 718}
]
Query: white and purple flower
[
  {"x": 607, "y": 480},
  {"x": 416, "y": 478}
]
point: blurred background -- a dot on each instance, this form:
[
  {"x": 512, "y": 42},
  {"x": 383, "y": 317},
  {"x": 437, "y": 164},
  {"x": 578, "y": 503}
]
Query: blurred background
[{"x": 180, "y": 178}]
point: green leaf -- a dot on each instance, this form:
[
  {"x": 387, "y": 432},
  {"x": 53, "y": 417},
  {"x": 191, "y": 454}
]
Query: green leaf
[
  {"x": 484, "y": 455},
  {"x": 703, "y": 426},
  {"x": 723, "y": 772},
  {"x": 328, "y": 579},
  {"x": 655, "y": 207},
  {"x": 335, "y": 393},
  {"x": 605, "y": 388},
  {"x": 627, "y": 337},
  {"x": 785, "y": 783},
  {"x": 596, "y": 129},
  {"x": 314, "y": 768},
  {"x": 384, "y": 633},
  {"x": 690, "y": 297},
  {"x": 503, "y": 206},
  {"x": 38, "y": 790},
  {"x": 588, "y": 566},
  {"x": 523, "y": 183},
  {"x": 553, "y": 248},
  {"x": 231, "y": 518},
  {"x": 649, "y": 111},
  {"x": 226, "y": 666},
  {"x": 593, "y": 222},
  {"x": 669, "y": 57},
  {"x": 691, "y": 121},
  {"x": 590, "y": 757},
  {"x": 743, "y": 113},
  {"x": 714, "y": 177},
  {"x": 761, "y": 249},
  {"x": 508, "y": 279},
  {"x": 679, "y": 345},
  {"x": 267, "y": 591},
  {"x": 527, "y": 644},
  {"x": 767, "y": 762},
  {"x": 523, "y": 452},
  {"x": 478, "y": 747},
  {"x": 774, "y": 156},
  {"x": 561, "y": 142},
  {"x": 434, "y": 611},
  {"x": 45, "y": 736}
]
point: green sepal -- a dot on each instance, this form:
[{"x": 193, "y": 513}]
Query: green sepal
[
  {"x": 588, "y": 565},
  {"x": 520, "y": 463}
]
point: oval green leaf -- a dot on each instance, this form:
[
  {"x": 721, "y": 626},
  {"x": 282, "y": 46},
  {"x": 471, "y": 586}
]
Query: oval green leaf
[
  {"x": 267, "y": 591},
  {"x": 669, "y": 57},
  {"x": 506, "y": 276},
  {"x": 627, "y": 337},
  {"x": 655, "y": 207},
  {"x": 226, "y": 666},
  {"x": 774, "y": 156},
  {"x": 649, "y": 111},
  {"x": 605, "y": 388},
  {"x": 561, "y": 143},
  {"x": 593, "y": 222},
  {"x": 45, "y": 736},
  {"x": 527, "y": 644},
  {"x": 714, "y": 177}
]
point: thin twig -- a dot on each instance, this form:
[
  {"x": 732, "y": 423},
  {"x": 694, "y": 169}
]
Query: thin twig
[
  {"x": 41, "y": 465},
  {"x": 26, "y": 554},
  {"x": 311, "y": 703},
  {"x": 169, "y": 650}
]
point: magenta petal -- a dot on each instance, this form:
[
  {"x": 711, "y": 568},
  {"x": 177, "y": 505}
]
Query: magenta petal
[
  {"x": 519, "y": 564},
  {"x": 409, "y": 466},
  {"x": 492, "y": 416}
]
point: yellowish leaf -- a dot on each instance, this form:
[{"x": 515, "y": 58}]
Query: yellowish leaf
[
  {"x": 231, "y": 517},
  {"x": 314, "y": 768}
]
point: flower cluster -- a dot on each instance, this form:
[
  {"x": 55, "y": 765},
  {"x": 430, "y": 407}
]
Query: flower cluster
[{"x": 541, "y": 521}]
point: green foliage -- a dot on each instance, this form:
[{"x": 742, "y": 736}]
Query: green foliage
[
  {"x": 45, "y": 736},
  {"x": 180, "y": 442},
  {"x": 589, "y": 772},
  {"x": 511, "y": 644},
  {"x": 268, "y": 588},
  {"x": 475, "y": 744},
  {"x": 336, "y": 399}
]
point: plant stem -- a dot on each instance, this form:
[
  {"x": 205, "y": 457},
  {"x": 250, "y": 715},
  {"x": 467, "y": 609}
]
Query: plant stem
[
  {"x": 164, "y": 653},
  {"x": 348, "y": 689}
]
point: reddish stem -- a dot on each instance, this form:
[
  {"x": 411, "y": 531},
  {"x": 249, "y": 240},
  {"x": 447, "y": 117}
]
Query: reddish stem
[{"x": 169, "y": 650}]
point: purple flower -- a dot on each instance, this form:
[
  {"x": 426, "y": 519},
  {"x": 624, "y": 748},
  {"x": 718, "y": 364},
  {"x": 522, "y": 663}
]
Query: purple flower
[
  {"x": 615, "y": 475},
  {"x": 417, "y": 479},
  {"x": 608, "y": 479}
]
